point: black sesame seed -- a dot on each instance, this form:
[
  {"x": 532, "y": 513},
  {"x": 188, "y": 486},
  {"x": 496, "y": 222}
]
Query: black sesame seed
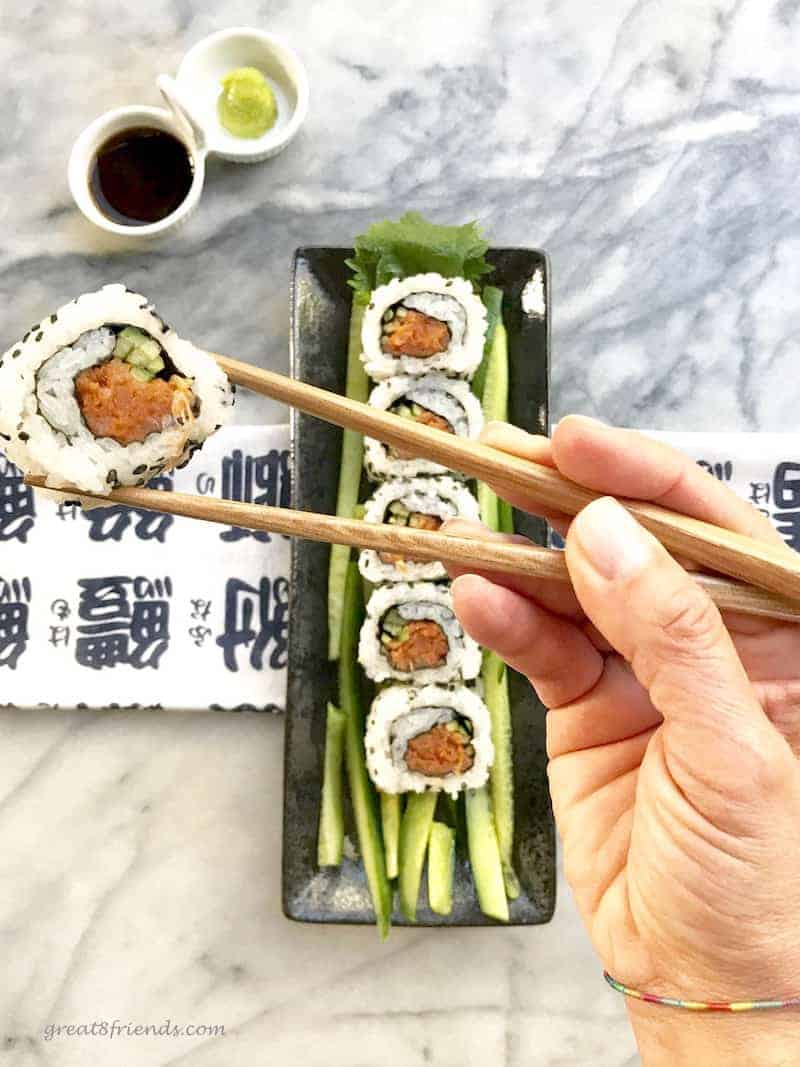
[
  {"x": 141, "y": 482},
  {"x": 140, "y": 469},
  {"x": 111, "y": 477},
  {"x": 24, "y": 436},
  {"x": 164, "y": 327},
  {"x": 54, "y": 317},
  {"x": 39, "y": 336},
  {"x": 5, "y": 436},
  {"x": 27, "y": 335}
]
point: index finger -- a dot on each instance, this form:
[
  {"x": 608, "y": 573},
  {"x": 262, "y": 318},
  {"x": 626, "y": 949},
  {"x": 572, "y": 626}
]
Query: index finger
[{"x": 625, "y": 463}]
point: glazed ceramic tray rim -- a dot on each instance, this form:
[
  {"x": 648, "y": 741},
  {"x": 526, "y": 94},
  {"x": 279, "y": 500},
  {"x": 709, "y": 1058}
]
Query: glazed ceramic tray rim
[{"x": 337, "y": 895}]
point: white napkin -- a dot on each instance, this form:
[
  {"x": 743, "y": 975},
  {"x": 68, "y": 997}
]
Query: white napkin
[
  {"x": 137, "y": 609},
  {"x": 762, "y": 468},
  {"x": 119, "y": 607}
]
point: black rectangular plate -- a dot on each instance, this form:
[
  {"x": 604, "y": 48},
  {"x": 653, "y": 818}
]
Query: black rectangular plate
[{"x": 319, "y": 330}]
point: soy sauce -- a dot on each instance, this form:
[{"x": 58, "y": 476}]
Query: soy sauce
[{"x": 141, "y": 175}]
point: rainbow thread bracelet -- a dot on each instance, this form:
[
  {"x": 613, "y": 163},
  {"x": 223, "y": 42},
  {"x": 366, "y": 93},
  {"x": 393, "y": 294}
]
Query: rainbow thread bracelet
[{"x": 701, "y": 1005}]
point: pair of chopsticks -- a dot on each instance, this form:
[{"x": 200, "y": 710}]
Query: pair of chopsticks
[{"x": 768, "y": 576}]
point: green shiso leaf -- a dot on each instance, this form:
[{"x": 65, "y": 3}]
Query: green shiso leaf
[{"x": 412, "y": 245}]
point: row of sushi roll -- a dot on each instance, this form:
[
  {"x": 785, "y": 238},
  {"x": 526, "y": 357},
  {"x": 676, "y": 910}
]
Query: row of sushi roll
[{"x": 428, "y": 345}]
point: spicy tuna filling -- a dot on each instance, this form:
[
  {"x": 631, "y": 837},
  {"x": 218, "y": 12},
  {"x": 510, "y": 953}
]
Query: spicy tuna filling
[
  {"x": 413, "y": 645},
  {"x": 407, "y": 332},
  {"x": 117, "y": 382},
  {"x": 444, "y": 749},
  {"x": 417, "y": 413},
  {"x": 118, "y": 404},
  {"x": 399, "y": 515}
]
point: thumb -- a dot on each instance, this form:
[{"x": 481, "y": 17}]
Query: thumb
[{"x": 718, "y": 744}]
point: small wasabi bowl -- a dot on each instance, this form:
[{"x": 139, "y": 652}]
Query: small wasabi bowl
[{"x": 198, "y": 84}]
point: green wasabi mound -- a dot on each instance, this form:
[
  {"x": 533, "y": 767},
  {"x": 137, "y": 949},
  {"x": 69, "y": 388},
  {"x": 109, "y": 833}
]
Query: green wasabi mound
[{"x": 247, "y": 106}]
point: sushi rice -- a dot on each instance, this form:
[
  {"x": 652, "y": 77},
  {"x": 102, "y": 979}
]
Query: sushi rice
[
  {"x": 400, "y": 713},
  {"x": 416, "y": 603},
  {"x": 445, "y": 398},
  {"x": 451, "y": 302},
  {"x": 42, "y": 427},
  {"x": 398, "y": 502}
]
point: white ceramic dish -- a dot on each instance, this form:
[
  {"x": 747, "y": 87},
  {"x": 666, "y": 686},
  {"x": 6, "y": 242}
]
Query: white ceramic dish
[
  {"x": 199, "y": 80},
  {"x": 192, "y": 117},
  {"x": 104, "y": 127}
]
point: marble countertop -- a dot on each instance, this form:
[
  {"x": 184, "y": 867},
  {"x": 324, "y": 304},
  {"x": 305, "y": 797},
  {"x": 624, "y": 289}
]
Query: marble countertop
[{"x": 652, "y": 149}]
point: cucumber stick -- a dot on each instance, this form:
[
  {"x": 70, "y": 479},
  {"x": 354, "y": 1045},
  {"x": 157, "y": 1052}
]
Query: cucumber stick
[
  {"x": 495, "y": 388},
  {"x": 505, "y": 517},
  {"x": 498, "y": 515},
  {"x": 494, "y": 403},
  {"x": 492, "y": 297},
  {"x": 415, "y": 830},
  {"x": 501, "y": 779},
  {"x": 390, "y": 823},
  {"x": 349, "y": 481},
  {"x": 441, "y": 858},
  {"x": 362, "y": 792},
  {"x": 484, "y": 855},
  {"x": 489, "y": 506},
  {"x": 331, "y": 817}
]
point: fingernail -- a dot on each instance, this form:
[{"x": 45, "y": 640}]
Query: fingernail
[
  {"x": 503, "y": 431},
  {"x": 465, "y": 527},
  {"x": 464, "y": 582},
  {"x": 596, "y": 424},
  {"x": 613, "y": 542}
]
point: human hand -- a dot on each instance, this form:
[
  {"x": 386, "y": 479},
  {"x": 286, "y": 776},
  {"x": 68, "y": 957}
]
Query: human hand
[{"x": 674, "y": 743}]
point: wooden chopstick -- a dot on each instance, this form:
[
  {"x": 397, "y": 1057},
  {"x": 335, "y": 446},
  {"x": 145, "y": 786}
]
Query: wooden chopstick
[
  {"x": 472, "y": 554},
  {"x": 767, "y": 566}
]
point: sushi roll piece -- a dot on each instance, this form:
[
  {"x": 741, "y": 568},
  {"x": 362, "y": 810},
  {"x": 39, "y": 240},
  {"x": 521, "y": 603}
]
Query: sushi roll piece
[
  {"x": 422, "y": 323},
  {"x": 103, "y": 393},
  {"x": 411, "y": 634},
  {"x": 434, "y": 400},
  {"x": 419, "y": 504},
  {"x": 434, "y": 737}
]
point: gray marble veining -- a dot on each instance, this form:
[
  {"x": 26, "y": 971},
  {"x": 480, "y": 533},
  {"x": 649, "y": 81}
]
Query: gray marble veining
[{"x": 652, "y": 149}]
